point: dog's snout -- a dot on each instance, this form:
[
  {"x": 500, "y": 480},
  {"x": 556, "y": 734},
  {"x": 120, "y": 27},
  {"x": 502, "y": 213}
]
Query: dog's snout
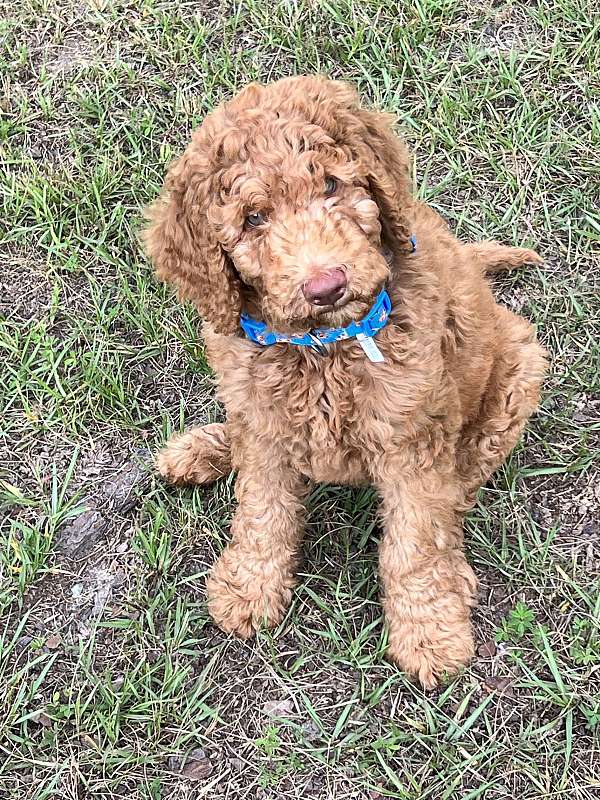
[{"x": 326, "y": 288}]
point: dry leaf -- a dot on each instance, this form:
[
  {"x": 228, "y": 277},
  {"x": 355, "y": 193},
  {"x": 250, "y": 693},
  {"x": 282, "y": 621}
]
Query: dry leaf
[
  {"x": 42, "y": 718},
  {"x": 487, "y": 649}
]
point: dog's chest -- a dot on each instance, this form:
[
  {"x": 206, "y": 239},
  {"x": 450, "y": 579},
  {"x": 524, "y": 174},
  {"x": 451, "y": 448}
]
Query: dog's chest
[
  {"x": 332, "y": 417},
  {"x": 319, "y": 408}
]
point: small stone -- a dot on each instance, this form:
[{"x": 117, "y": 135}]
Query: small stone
[
  {"x": 278, "y": 708},
  {"x": 76, "y": 591},
  {"x": 197, "y": 765},
  {"x": 53, "y": 642},
  {"x": 123, "y": 547}
]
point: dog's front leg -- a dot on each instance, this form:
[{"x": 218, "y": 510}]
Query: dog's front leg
[
  {"x": 251, "y": 584},
  {"x": 428, "y": 586}
]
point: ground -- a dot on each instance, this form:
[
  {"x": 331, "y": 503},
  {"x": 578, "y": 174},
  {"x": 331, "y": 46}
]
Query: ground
[{"x": 113, "y": 681}]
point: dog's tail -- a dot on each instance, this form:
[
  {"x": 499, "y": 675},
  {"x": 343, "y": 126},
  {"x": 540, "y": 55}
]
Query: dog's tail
[{"x": 494, "y": 257}]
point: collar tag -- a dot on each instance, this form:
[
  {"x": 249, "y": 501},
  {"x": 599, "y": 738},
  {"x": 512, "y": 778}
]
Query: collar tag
[{"x": 372, "y": 352}]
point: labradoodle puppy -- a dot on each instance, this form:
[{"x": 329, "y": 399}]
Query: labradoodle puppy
[{"x": 355, "y": 340}]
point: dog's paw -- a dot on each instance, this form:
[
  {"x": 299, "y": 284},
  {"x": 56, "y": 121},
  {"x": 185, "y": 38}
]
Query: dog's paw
[
  {"x": 524, "y": 255},
  {"x": 429, "y": 651},
  {"x": 429, "y": 619},
  {"x": 242, "y": 599},
  {"x": 201, "y": 455},
  {"x": 173, "y": 461}
]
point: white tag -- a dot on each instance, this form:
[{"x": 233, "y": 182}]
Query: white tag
[{"x": 372, "y": 352}]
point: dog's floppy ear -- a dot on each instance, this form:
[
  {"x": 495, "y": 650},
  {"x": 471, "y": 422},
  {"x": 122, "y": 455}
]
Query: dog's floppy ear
[
  {"x": 389, "y": 178},
  {"x": 184, "y": 250}
]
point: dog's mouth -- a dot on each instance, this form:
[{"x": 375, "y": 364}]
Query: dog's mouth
[
  {"x": 321, "y": 310},
  {"x": 351, "y": 307},
  {"x": 354, "y": 303}
]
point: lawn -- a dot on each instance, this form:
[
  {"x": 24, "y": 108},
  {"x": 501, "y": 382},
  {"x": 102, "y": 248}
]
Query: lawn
[{"x": 113, "y": 681}]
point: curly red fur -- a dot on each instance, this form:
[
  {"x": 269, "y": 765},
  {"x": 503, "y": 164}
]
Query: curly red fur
[{"x": 427, "y": 427}]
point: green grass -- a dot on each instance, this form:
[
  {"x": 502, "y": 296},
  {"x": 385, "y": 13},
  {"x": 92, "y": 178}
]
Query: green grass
[{"x": 110, "y": 671}]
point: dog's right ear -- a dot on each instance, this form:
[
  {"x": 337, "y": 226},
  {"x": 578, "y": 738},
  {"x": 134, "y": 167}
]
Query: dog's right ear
[{"x": 179, "y": 241}]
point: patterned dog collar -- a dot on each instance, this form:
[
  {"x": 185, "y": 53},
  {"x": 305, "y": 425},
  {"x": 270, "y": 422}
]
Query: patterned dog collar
[{"x": 316, "y": 339}]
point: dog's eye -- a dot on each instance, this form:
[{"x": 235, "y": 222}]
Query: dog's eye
[
  {"x": 255, "y": 219},
  {"x": 330, "y": 185}
]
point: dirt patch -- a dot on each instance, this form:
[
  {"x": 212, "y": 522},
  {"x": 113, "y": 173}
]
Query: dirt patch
[
  {"x": 73, "y": 54},
  {"x": 25, "y": 291},
  {"x": 114, "y": 497}
]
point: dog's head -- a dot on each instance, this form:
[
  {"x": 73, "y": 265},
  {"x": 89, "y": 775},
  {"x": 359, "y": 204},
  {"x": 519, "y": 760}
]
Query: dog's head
[{"x": 290, "y": 201}]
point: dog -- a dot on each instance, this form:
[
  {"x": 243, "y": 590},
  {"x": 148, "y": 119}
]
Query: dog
[{"x": 354, "y": 340}]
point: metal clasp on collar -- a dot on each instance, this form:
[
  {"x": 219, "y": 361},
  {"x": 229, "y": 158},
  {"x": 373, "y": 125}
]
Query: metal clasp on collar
[{"x": 317, "y": 345}]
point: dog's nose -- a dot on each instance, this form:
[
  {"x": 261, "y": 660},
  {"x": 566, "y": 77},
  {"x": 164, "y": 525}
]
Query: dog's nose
[{"x": 327, "y": 288}]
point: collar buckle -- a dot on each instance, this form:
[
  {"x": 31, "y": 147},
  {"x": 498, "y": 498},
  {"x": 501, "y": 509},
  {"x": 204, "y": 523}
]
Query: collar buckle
[{"x": 317, "y": 345}]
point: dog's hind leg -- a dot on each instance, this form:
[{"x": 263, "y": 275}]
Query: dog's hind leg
[
  {"x": 493, "y": 257},
  {"x": 511, "y": 397},
  {"x": 200, "y": 455}
]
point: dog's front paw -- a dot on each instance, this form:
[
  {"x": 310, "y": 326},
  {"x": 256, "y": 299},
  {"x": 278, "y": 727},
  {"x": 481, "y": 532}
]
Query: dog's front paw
[
  {"x": 429, "y": 619},
  {"x": 428, "y": 651},
  {"x": 246, "y": 595},
  {"x": 200, "y": 455}
]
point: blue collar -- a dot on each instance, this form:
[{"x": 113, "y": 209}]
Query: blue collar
[{"x": 375, "y": 320}]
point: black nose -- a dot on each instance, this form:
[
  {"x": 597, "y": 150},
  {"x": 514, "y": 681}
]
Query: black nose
[{"x": 327, "y": 288}]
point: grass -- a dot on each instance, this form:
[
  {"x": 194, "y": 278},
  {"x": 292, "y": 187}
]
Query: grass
[{"x": 113, "y": 681}]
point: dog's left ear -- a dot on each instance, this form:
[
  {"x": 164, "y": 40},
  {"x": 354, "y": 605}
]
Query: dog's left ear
[
  {"x": 335, "y": 107},
  {"x": 387, "y": 162}
]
